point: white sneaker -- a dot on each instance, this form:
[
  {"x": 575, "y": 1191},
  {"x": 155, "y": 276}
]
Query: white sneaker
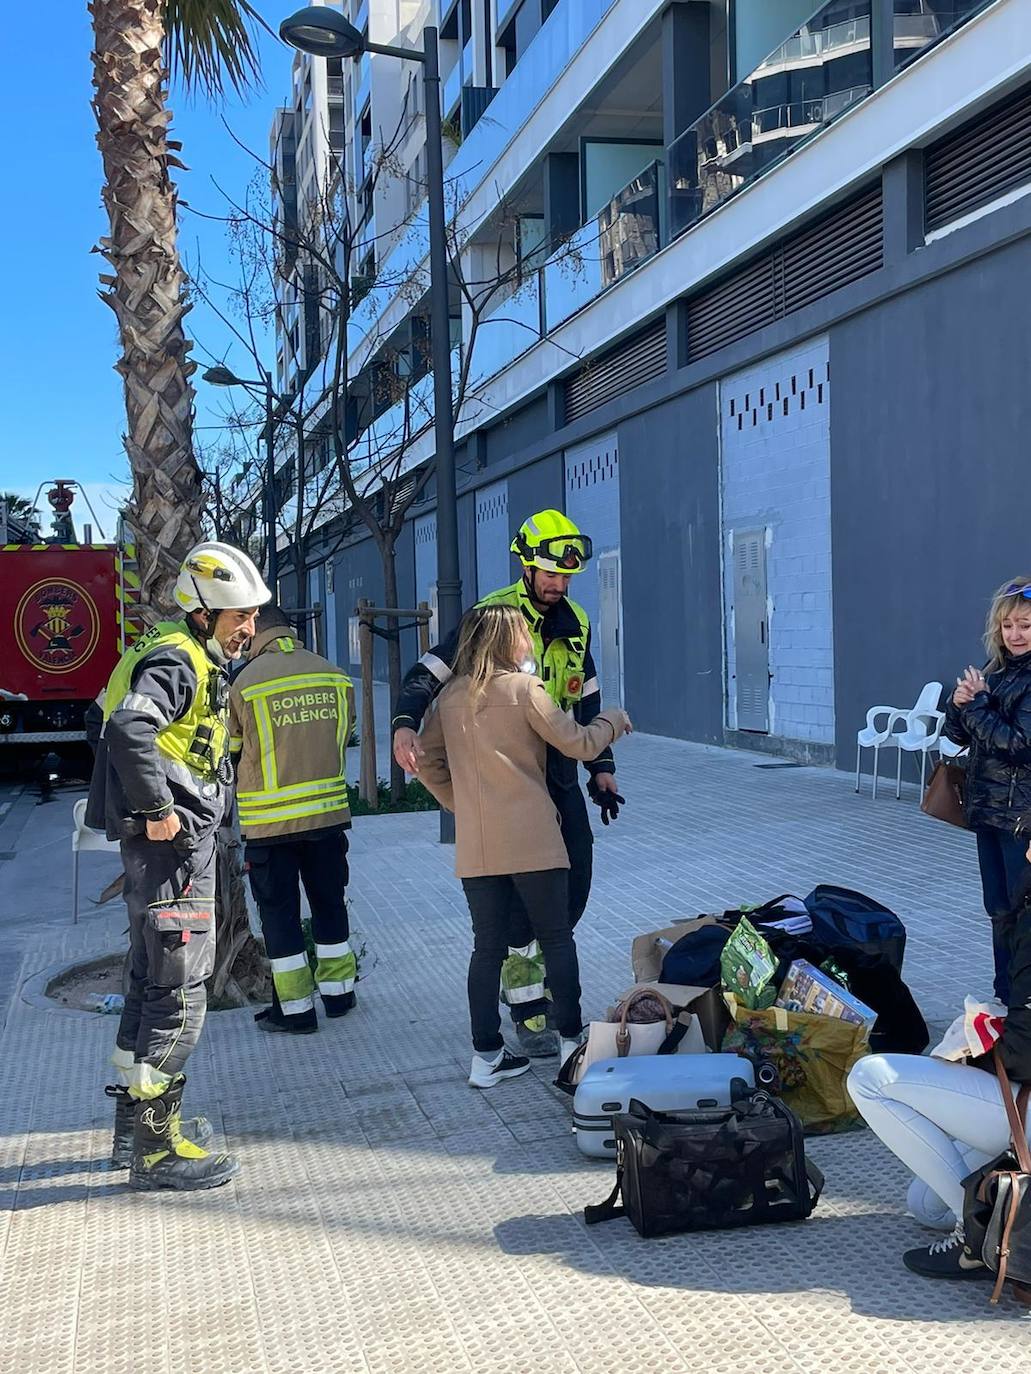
[
  {"x": 568, "y": 1047},
  {"x": 487, "y": 1073}
]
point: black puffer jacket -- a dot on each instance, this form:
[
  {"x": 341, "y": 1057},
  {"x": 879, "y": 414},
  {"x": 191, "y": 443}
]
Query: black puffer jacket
[{"x": 996, "y": 726}]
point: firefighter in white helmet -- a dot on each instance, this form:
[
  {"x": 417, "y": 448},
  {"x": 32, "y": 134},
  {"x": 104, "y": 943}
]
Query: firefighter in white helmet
[{"x": 160, "y": 787}]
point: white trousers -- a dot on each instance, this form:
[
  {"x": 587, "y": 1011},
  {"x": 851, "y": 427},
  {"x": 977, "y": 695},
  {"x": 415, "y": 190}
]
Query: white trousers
[{"x": 943, "y": 1120}]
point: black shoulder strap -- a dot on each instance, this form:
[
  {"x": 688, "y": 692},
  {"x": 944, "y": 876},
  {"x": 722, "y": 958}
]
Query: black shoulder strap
[
  {"x": 816, "y": 1181},
  {"x": 672, "y": 1041},
  {"x": 607, "y": 1210}
]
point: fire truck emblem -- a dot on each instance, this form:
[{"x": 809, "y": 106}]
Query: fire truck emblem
[{"x": 57, "y": 625}]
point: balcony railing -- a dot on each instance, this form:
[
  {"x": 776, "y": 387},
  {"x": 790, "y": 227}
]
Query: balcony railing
[
  {"x": 626, "y": 232},
  {"x": 746, "y": 133}
]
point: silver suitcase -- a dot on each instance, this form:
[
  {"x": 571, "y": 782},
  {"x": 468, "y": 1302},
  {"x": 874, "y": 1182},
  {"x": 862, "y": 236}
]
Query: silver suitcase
[{"x": 663, "y": 1082}]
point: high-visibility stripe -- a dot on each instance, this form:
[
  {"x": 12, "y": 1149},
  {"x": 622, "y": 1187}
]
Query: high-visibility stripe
[
  {"x": 267, "y": 745},
  {"x": 136, "y": 701},
  {"x": 591, "y": 685},
  {"x": 299, "y": 682},
  {"x": 266, "y": 815},
  {"x": 533, "y": 992},
  {"x": 530, "y": 951},
  {"x": 296, "y": 792},
  {"x": 333, "y": 951},
  {"x": 340, "y": 989},
  {"x": 236, "y": 744},
  {"x": 286, "y": 646},
  {"x": 289, "y": 963},
  {"x": 437, "y": 667},
  {"x": 293, "y": 981}
]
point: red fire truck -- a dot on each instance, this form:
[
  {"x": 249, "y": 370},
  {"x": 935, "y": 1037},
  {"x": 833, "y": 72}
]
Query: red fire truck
[{"x": 66, "y": 616}]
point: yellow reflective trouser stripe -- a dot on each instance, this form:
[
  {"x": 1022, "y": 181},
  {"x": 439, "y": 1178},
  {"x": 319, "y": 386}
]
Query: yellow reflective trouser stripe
[
  {"x": 336, "y": 969},
  {"x": 522, "y": 976},
  {"x": 300, "y": 791},
  {"x": 262, "y": 814},
  {"x": 294, "y": 983}
]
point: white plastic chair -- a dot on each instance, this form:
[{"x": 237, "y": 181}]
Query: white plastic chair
[
  {"x": 949, "y": 749},
  {"x": 877, "y": 738},
  {"x": 83, "y": 837},
  {"x": 921, "y": 735}
]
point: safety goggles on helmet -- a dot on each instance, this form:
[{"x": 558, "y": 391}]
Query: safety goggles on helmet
[
  {"x": 1018, "y": 589},
  {"x": 559, "y": 553}
]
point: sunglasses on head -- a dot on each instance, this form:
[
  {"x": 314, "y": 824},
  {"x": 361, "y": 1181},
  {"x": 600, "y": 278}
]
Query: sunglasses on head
[{"x": 1018, "y": 589}]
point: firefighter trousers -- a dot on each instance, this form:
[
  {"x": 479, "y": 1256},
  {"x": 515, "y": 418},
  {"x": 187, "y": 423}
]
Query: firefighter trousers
[
  {"x": 319, "y": 861},
  {"x": 170, "y": 894},
  {"x": 523, "y": 984}
]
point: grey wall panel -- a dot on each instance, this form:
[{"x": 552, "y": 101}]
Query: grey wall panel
[
  {"x": 670, "y": 529},
  {"x": 537, "y": 487},
  {"x": 406, "y": 591},
  {"x": 492, "y": 537},
  {"x": 929, "y": 431}
]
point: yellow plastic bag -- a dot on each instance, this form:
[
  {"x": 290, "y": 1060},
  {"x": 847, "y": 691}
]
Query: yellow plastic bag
[{"x": 812, "y": 1054}]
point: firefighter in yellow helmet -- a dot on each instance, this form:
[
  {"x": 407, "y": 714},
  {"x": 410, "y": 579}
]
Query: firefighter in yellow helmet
[
  {"x": 159, "y": 786},
  {"x": 551, "y": 550}
]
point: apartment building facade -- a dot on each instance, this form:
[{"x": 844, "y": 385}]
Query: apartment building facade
[{"x": 766, "y": 342}]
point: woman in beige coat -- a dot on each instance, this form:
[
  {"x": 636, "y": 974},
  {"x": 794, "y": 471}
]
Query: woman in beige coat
[{"x": 484, "y": 750}]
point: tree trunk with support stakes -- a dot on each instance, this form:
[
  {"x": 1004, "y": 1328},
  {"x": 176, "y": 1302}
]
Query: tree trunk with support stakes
[{"x": 146, "y": 290}]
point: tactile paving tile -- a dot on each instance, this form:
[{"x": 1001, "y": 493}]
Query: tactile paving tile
[{"x": 390, "y": 1218}]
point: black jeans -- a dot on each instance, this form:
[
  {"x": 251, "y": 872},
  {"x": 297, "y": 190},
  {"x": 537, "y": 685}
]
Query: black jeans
[
  {"x": 545, "y": 898},
  {"x": 1001, "y": 859},
  {"x": 579, "y": 841}
]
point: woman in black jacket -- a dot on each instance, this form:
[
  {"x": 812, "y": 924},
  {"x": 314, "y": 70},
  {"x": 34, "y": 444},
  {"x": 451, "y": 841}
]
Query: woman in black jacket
[
  {"x": 990, "y": 713},
  {"x": 946, "y": 1119}
]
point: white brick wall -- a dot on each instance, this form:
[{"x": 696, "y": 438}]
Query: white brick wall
[{"x": 775, "y": 455}]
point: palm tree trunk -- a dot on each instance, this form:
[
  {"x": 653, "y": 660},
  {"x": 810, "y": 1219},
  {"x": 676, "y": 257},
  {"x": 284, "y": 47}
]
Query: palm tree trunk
[{"x": 146, "y": 287}]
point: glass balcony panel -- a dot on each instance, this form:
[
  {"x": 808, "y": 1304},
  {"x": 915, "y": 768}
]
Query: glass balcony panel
[
  {"x": 509, "y": 331},
  {"x": 918, "y": 24},
  {"x": 626, "y": 233}
]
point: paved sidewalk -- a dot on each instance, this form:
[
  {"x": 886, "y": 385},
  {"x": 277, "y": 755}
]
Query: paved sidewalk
[{"x": 389, "y": 1218}]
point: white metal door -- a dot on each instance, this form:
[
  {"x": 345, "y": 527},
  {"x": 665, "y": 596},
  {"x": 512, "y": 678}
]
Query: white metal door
[
  {"x": 751, "y": 640},
  {"x": 610, "y": 630},
  {"x": 493, "y": 559},
  {"x": 426, "y": 566}
]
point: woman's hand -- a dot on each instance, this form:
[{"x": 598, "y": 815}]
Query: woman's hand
[
  {"x": 407, "y": 750},
  {"x": 968, "y": 686}
]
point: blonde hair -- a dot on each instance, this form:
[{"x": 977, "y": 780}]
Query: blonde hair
[
  {"x": 1005, "y": 601},
  {"x": 488, "y": 643}
]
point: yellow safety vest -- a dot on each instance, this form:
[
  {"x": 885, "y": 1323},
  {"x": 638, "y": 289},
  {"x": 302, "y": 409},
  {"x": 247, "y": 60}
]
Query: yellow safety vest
[
  {"x": 560, "y": 665},
  {"x": 200, "y": 739}
]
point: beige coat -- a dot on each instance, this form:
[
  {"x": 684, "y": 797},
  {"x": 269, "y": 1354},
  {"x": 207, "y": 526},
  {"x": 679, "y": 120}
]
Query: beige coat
[{"x": 486, "y": 764}]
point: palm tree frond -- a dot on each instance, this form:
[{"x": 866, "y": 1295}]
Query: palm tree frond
[{"x": 211, "y": 42}]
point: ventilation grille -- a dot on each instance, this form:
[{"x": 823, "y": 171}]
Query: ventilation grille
[
  {"x": 836, "y": 250},
  {"x": 637, "y": 360},
  {"x": 979, "y": 162}
]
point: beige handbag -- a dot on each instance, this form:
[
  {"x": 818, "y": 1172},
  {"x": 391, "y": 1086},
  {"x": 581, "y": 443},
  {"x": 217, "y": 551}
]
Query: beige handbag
[{"x": 618, "y": 1039}]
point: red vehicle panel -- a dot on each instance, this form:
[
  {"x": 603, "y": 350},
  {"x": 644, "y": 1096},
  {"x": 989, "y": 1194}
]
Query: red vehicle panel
[{"x": 58, "y": 622}]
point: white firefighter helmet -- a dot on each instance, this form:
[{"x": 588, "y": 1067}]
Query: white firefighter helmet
[{"x": 217, "y": 577}]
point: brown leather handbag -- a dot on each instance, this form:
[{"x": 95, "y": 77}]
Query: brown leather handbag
[{"x": 943, "y": 798}]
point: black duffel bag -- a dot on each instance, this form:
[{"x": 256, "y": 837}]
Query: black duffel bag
[
  {"x": 851, "y": 921},
  {"x": 704, "y": 1170}
]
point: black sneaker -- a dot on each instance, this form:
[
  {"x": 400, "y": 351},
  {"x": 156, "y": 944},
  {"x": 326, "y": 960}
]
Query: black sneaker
[
  {"x": 487, "y": 1073},
  {"x": 300, "y": 1023},
  {"x": 948, "y": 1258},
  {"x": 340, "y": 1004}
]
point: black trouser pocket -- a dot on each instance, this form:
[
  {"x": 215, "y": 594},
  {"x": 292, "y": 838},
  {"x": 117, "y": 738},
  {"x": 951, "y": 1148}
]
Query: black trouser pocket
[{"x": 180, "y": 939}]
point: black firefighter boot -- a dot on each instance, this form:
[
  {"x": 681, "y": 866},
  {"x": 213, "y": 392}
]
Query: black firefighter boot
[
  {"x": 164, "y": 1158},
  {"x": 199, "y": 1129}
]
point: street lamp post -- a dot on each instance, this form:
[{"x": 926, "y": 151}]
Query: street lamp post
[
  {"x": 221, "y": 376},
  {"x": 324, "y": 32}
]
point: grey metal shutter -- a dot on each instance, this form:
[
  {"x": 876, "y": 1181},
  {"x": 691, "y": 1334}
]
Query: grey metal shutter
[
  {"x": 493, "y": 558},
  {"x": 837, "y": 249},
  {"x": 979, "y": 162},
  {"x": 637, "y": 360},
  {"x": 751, "y": 642},
  {"x": 426, "y": 566}
]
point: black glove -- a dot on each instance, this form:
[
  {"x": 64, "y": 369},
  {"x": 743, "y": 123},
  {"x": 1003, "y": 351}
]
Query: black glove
[{"x": 607, "y": 802}]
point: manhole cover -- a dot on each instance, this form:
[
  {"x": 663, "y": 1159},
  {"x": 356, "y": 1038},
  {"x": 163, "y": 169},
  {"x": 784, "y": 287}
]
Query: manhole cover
[{"x": 778, "y": 765}]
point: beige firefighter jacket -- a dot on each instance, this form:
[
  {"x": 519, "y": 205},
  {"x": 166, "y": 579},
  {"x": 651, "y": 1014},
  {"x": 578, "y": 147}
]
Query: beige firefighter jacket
[{"x": 290, "y": 716}]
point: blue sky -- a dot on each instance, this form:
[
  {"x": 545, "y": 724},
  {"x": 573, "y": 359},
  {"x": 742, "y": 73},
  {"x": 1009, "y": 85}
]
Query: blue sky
[{"x": 63, "y": 411}]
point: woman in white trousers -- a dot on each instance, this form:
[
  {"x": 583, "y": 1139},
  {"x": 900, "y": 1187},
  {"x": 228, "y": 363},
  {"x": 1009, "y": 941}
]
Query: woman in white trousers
[{"x": 944, "y": 1120}]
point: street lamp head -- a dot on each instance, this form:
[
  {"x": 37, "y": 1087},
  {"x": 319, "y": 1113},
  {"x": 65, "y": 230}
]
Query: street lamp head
[
  {"x": 323, "y": 32},
  {"x": 221, "y": 376}
]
